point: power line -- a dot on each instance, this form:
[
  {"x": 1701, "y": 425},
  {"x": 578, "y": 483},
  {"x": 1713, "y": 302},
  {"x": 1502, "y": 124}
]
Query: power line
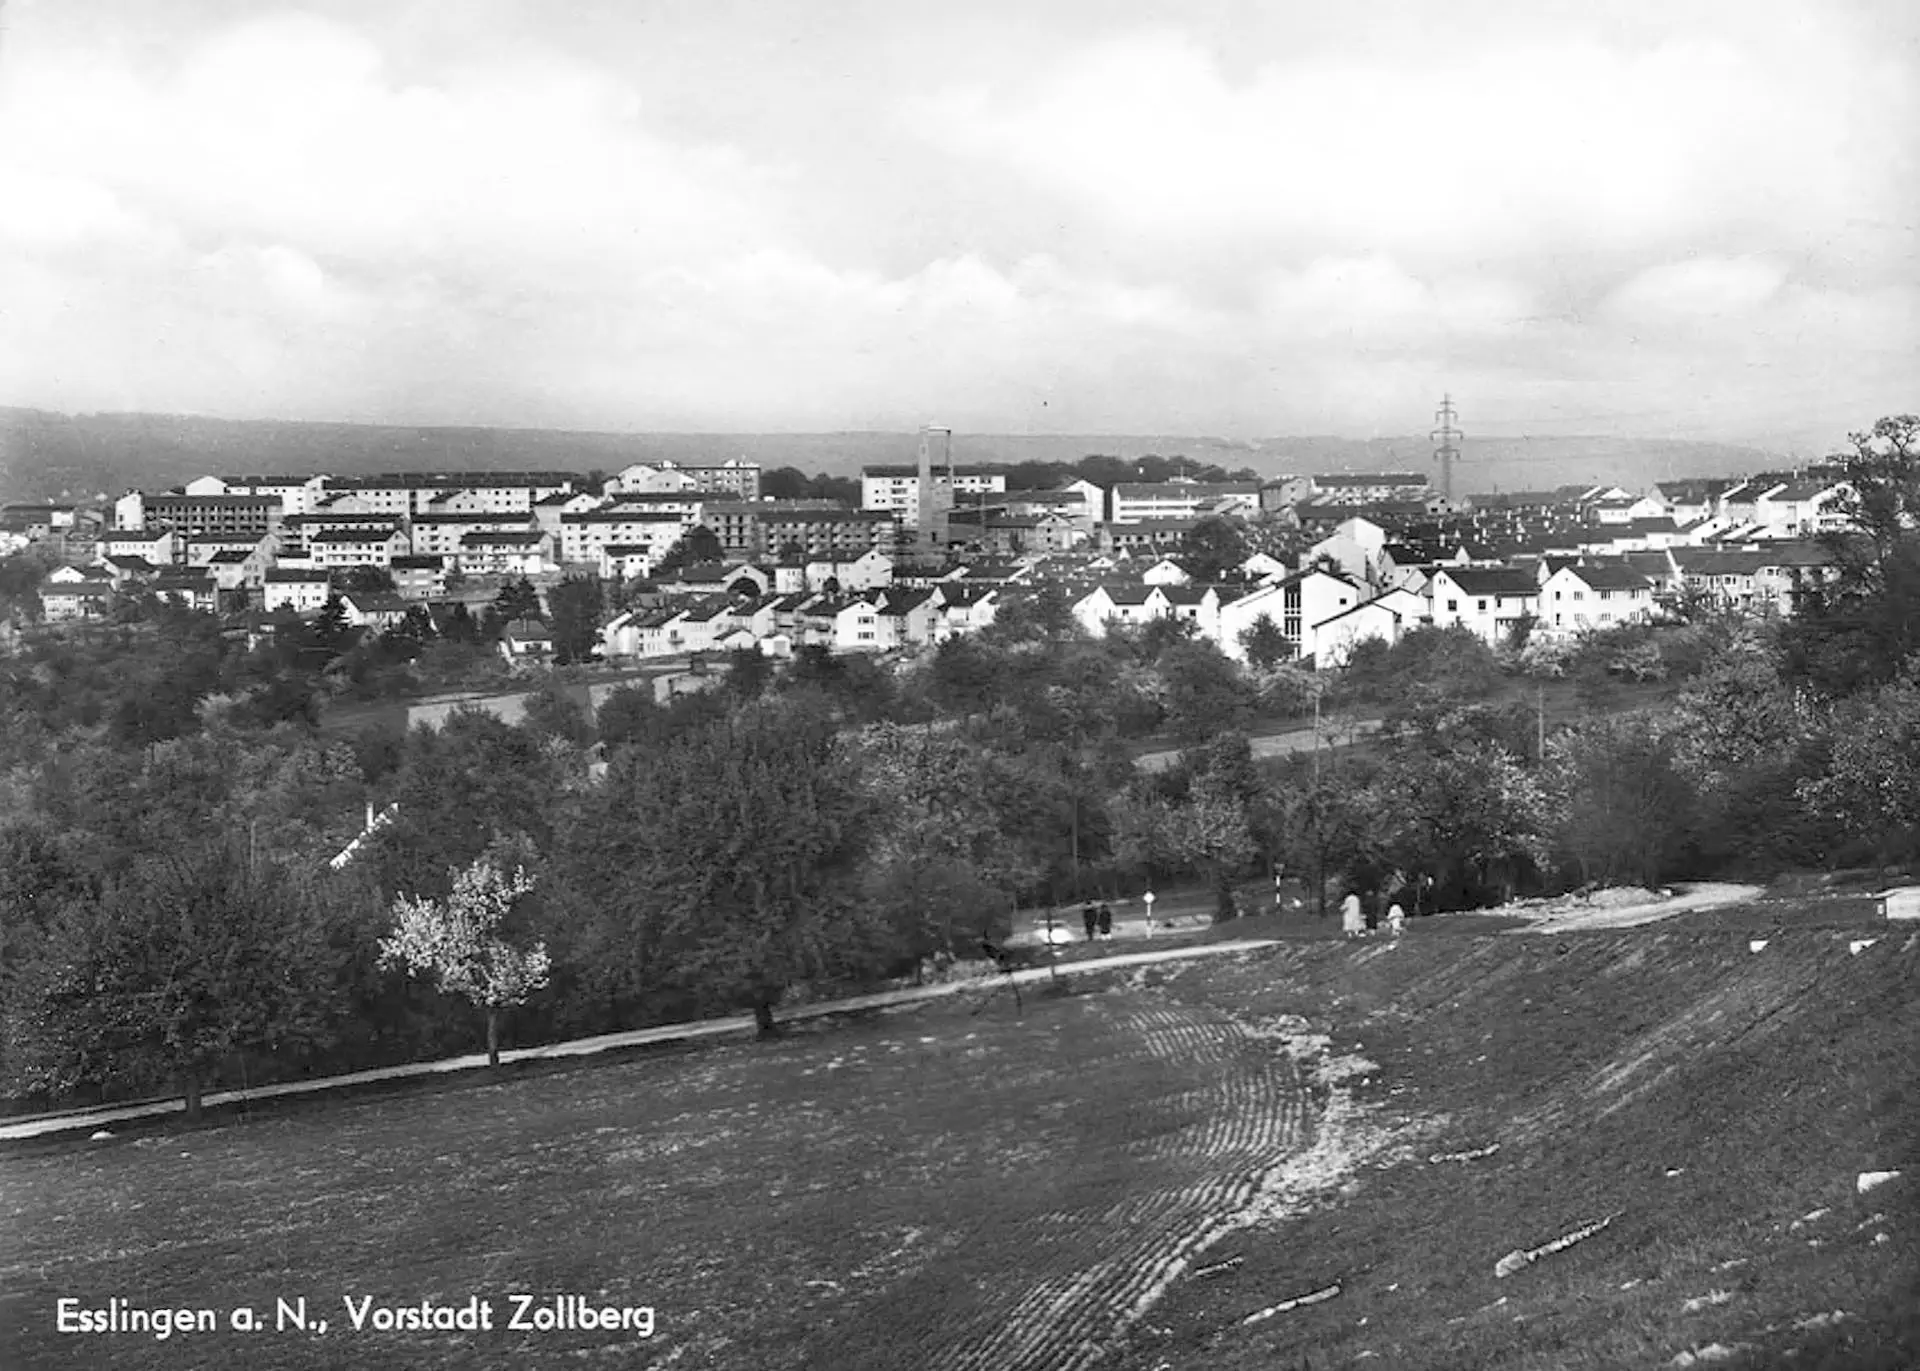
[{"x": 1446, "y": 435}]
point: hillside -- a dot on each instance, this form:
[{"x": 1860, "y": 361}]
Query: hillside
[
  {"x": 1143, "y": 1173},
  {"x": 48, "y": 455}
]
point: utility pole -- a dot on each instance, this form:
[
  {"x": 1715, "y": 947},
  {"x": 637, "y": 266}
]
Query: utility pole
[{"x": 1447, "y": 440}]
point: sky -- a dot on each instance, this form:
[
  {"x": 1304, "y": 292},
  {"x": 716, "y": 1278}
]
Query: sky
[{"x": 1686, "y": 218}]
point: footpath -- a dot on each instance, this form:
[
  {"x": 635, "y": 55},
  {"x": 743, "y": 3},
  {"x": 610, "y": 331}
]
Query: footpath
[{"x": 739, "y": 1024}]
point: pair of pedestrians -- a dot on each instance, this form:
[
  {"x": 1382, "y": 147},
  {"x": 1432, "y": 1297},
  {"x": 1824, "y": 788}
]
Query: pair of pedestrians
[
  {"x": 1099, "y": 921},
  {"x": 1353, "y": 922}
]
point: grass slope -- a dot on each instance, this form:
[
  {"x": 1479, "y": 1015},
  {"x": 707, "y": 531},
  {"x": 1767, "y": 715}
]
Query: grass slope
[{"x": 939, "y": 1188}]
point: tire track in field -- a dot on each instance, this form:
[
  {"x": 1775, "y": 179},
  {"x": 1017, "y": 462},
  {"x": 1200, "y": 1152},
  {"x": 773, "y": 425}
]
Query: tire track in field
[{"x": 1098, "y": 1272}]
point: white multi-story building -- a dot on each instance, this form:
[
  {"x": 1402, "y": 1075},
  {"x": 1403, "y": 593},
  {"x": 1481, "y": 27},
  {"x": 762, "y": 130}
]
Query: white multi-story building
[
  {"x": 1136, "y": 501},
  {"x": 584, "y": 533},
  {"x": 895, "y": 490},
  {"x": 1577, "y": 597}
]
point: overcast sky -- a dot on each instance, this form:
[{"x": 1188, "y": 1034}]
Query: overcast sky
[{"x": 1248, "y": 219}]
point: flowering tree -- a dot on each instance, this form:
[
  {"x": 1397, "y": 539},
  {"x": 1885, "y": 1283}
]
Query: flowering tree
[{"x": 457, "y": 941}]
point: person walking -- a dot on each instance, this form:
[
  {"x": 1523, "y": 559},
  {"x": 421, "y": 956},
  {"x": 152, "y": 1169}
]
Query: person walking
[
  {"x": 1396, "y": 919},
  {"x": 1106, "y": 922},
  {"x": 1090, "y": 916},
  {"x": 1352, "y": 922}
]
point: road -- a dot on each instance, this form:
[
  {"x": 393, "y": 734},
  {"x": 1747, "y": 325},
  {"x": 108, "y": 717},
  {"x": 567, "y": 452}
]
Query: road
[
  {"x": 1566, "y": 916},
  {"x": 1276, "y": 744},
  {"x": 736, "y": 1025}
]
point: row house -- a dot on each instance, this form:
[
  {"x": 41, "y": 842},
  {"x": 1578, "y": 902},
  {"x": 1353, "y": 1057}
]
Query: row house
[
  {"x": 442, "y": 535},
  {"x": 339, "y": 548},
  {"x": 1135, "y": 501},
  {"x": 1344, "y": 488},
  {"x": 409, "y": 493},
  {"x": 161, "y": 547},
  {"x": 1636, "y": 535},
  {"x": 525, "y": 552},
  {"x": 1144, "y": 535},
  {"x": 302, "y": 592},
  {"x": 626, "y": 562},
  {"x": 583, "y": 533}
]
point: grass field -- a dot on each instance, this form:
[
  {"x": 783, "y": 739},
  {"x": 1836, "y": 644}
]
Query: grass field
[{"x": 1121, "y": 1176}]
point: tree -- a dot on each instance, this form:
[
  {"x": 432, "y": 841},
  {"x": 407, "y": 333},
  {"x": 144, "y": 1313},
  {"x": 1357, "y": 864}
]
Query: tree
[
  {"x": 332, "y": 634},
  {"x": 516, "y": 600},
  {"x": 575, "y": 609},
  {"x": 748, "y": 838},
  {"x": 1206, "y": 833},
  {"x": 1627, "y": 811},
  {"x": 1870, "y": 788},
  {"x": 365, "y": 580},
  {"x": 175, "y": 967},
  {"x": 1265, "y": 644},
  {"x": 1204, "y": 692},
  {"x": 749, "y": 672},
  {"x": 1212, "y": 550},
  {"x": 697, "y": 545},
  {"x": 458, "y": 942},
  {"x": 1855, "y": 630}
]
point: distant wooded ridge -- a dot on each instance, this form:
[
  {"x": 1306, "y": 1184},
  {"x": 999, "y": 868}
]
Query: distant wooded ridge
[{"x": 47, "y": 455}]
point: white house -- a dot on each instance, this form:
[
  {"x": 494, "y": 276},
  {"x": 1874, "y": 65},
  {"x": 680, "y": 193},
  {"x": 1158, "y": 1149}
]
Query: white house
[
  {"x": 1354, "y": 546},
  {"x": 1385, "y": 617},
  {"x": 341, "y": 547},
  {"x": 1165, "y": 572},
  {"x": 1489, "y": 601},
  {"x": 1296, "y": 606},
  {"x": 523, "y": 553},
  {"x": 1129, "y": 605},
  {"x": 303, "y": 592},
  {"x": 871, "y": 570},
  {"x": 1579, "y": 597}
]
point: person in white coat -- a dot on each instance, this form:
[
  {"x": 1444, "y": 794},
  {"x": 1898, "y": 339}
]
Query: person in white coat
[
  {"x": 1396, "y": 919},
  {"x": 1352, "y": 922}
]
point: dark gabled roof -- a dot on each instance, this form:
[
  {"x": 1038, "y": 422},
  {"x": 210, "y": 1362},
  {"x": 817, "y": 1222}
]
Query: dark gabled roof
[
  {"x": 352, "y": 535},
  {"x": 619, "y": 516},
  {"x": 1716, "y": 561},
  {"x": 126, "y": 561},
  {"x": 527, "y": 630},
  {"x": 1796, "y": 553},
  {"x": 376, "y": 602},
  {"x": 1652, "y": 564},
  {"x": 87, "y": 587},
  {"x": 294, "y": 576},
  {"x": 1611, "y": 577},
  {"x": 1368, "y": 478},
  {"x": 410, "y": 561},
  {"x": 1186, "y": 595},
  {"x": 1128, "y": 595},
  {"x": 229, "y": 557},
  {"x": 515, "y": 538},
  {"x": 1803, "y": 490},
  {"x": 1479, "y": 580},
  {"x": 896, "y": 601}
]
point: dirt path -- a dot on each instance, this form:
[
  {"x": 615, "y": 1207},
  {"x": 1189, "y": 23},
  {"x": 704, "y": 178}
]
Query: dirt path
[
  {"x": 733, "y": 1025},
  {"x": 1564, "y": 916}
]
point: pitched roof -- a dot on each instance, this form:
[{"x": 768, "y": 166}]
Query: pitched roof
[
  {"x": 1611, "y": 577},
  {"x": 528, "y": 631},
  {"x": 1478, "y": 580}
]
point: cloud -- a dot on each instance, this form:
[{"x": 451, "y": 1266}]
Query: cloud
[{"x": 1461, "y": 154}]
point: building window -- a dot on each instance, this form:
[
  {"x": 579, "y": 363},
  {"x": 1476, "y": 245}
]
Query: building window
[
  {"x": 1480, "y": 605},
  {"x": 1453, "y": 606}
]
